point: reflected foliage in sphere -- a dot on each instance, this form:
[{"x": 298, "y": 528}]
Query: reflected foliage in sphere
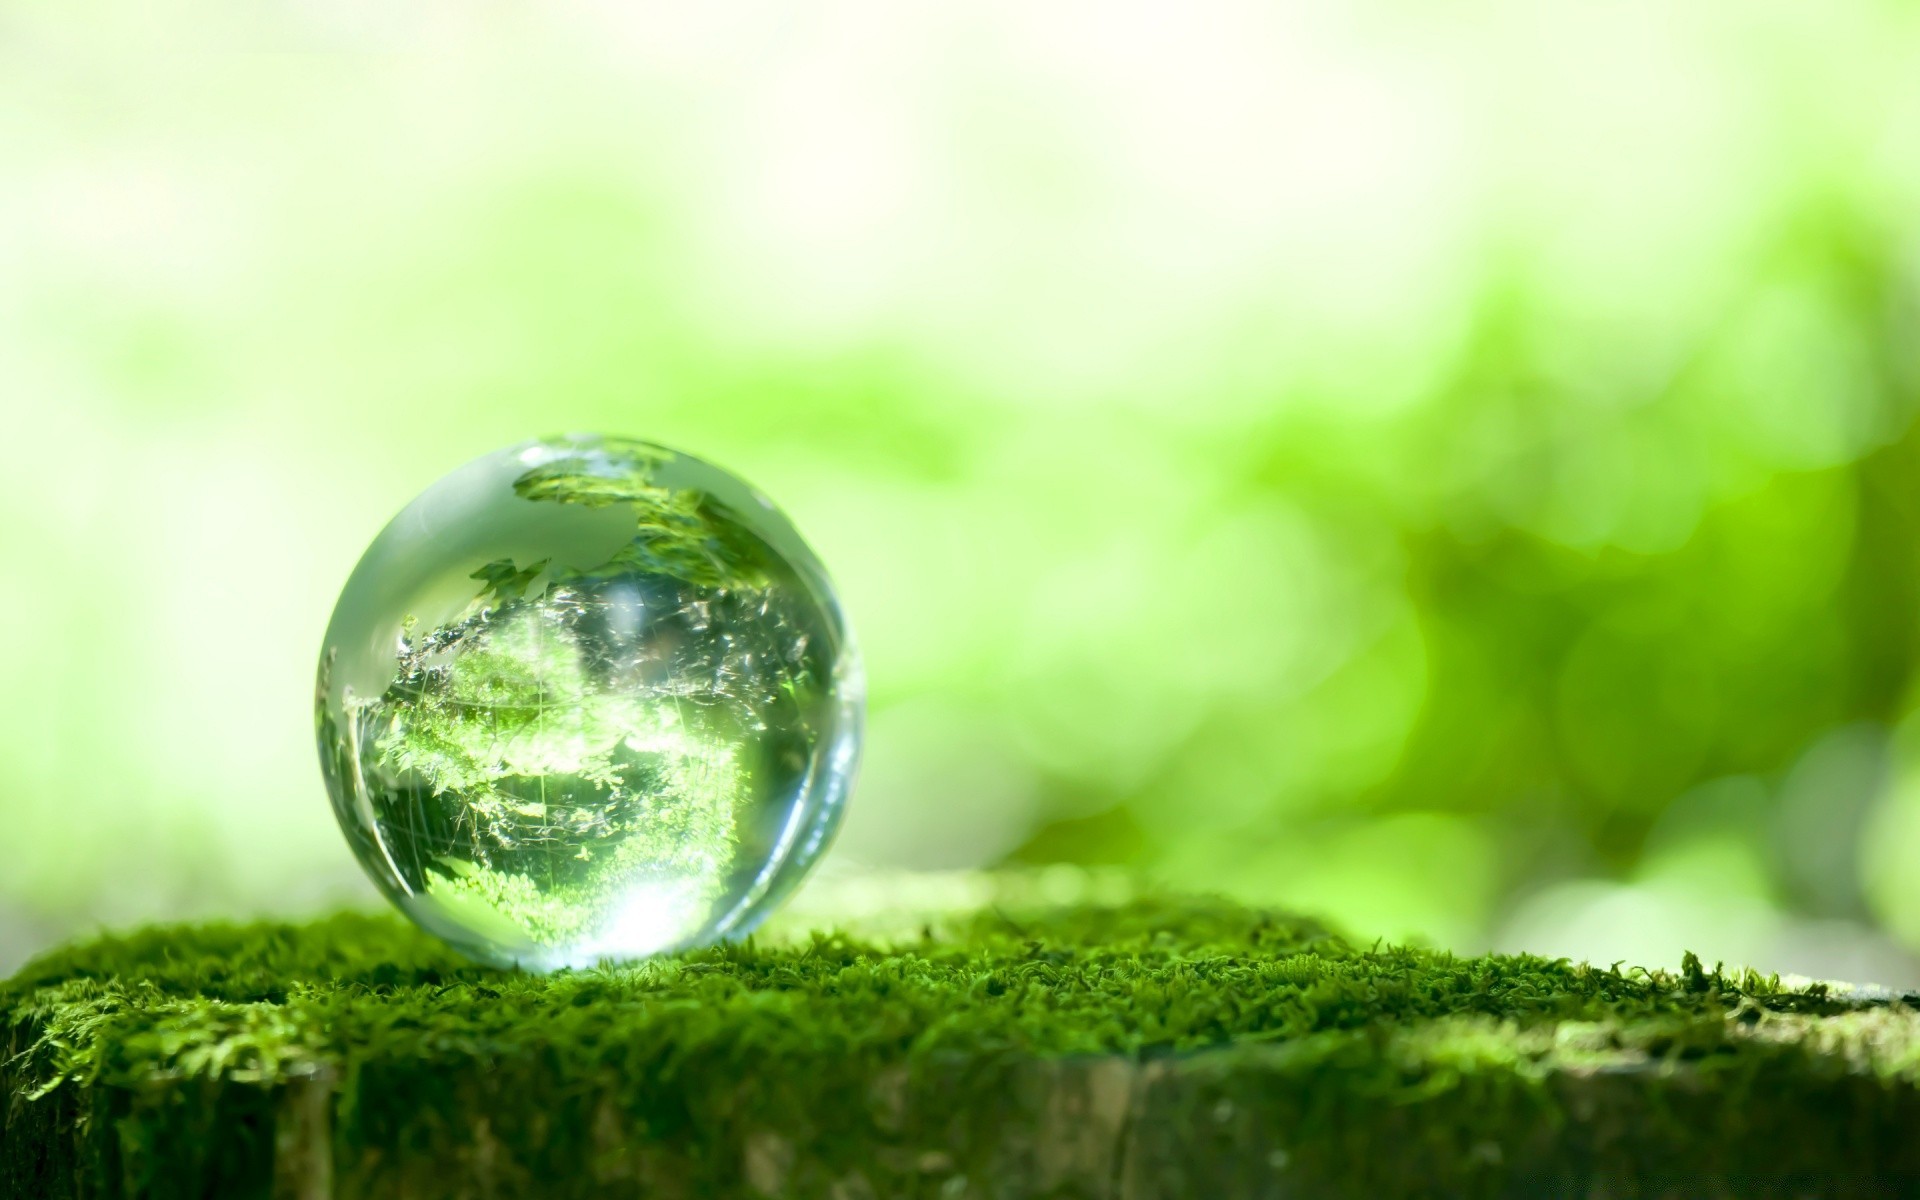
[{"x": 588, "y": 699}]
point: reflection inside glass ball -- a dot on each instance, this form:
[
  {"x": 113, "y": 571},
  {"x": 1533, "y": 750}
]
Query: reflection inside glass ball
[{"x": 585, "y": 699}]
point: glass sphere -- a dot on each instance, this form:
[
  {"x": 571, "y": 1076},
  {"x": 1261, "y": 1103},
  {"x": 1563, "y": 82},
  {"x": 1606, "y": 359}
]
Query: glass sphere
[{"x": 588, "y": 698}]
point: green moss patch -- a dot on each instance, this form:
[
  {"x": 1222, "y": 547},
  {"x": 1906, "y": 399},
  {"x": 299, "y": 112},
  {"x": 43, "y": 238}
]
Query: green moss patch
[{"x": 1148, "y": 1049}]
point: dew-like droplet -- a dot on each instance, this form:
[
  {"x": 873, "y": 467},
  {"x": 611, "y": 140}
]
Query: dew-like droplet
[{"x": 588, "y": 698}]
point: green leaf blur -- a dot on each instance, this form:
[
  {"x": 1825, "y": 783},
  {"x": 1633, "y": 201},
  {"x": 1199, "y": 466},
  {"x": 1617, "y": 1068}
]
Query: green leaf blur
[{"x": 1451, "y": 470}]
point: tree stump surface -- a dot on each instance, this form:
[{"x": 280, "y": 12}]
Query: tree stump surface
[{"x": 1137, "y": 1051}]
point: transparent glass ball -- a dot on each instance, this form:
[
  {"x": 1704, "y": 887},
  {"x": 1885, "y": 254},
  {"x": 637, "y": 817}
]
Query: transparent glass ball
[{"x": 588, "y": 698}]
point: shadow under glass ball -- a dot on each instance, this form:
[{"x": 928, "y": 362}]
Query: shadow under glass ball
[{"x": 588, "y": 698}]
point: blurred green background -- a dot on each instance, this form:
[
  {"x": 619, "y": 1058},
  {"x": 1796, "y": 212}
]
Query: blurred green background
[{"x": 1451, "y": 467}]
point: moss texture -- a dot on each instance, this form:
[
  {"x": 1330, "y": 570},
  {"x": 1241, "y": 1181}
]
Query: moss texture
[{"x": 1150, "y": 1049}]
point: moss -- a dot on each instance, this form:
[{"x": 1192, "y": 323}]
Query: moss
[
  {"x": 679, "y": 532},
  {"x": 1151, "y": 1048}
]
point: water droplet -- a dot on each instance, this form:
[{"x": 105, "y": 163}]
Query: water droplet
[{"x": 588, "y": 698}]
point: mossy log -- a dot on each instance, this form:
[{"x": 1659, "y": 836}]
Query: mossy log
[{"x": 1151, "y": 1049}]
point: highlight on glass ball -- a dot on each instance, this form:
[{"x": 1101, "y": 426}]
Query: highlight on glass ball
[{"x": 586, "y": 699}]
